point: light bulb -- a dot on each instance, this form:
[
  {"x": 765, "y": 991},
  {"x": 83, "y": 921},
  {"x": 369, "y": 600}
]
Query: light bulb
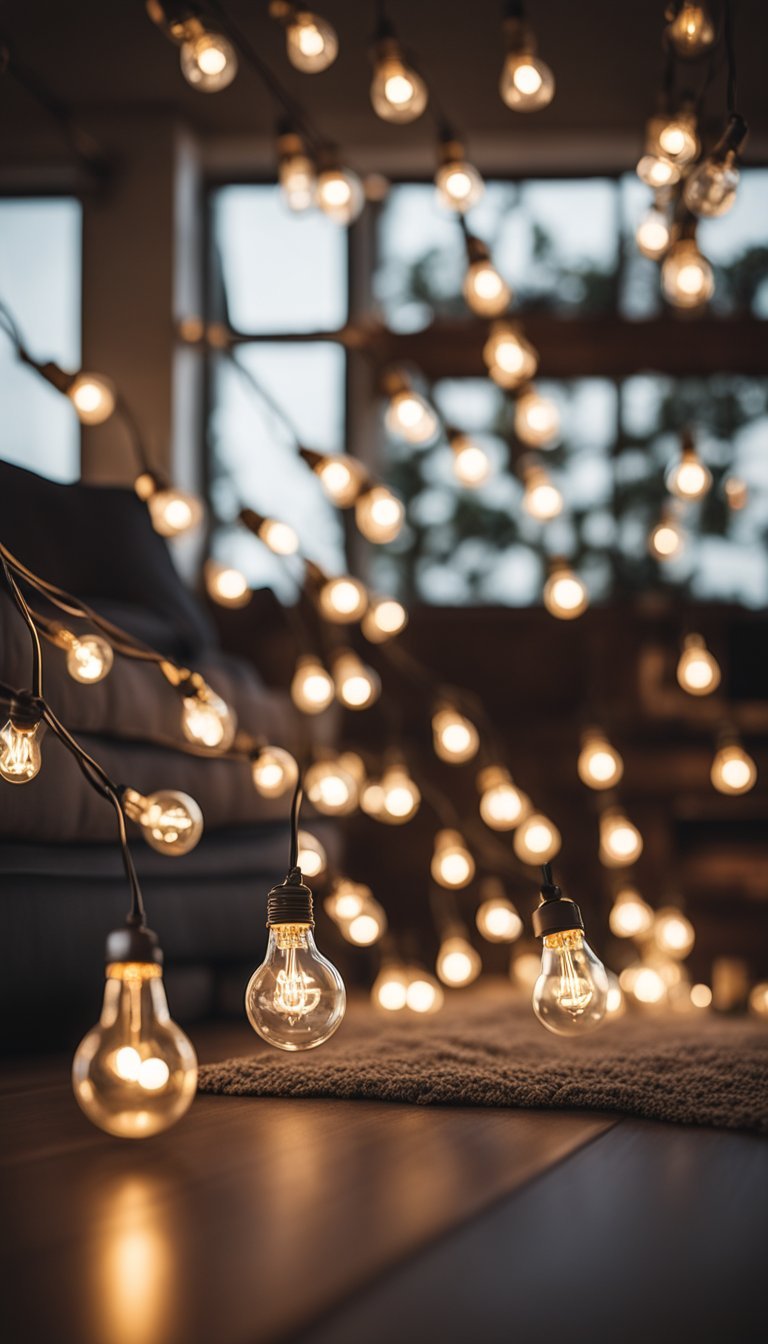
[
  {"x": 89, "y": 658},
  {"x": 135, "y": 1073},
  {"x": 390, "y": 988},
  {"x": 423, "y": 994},
  {"x": 485, "y": 290},
  {"x": 686, "y": 276},
  {"x": 677, "y": 138},
  {"x": 691, "y": 31},
  {"x": 511, "y": 359},
  {"x": 657, "y": 171},
  {"x": 171, "y": 821},
  {"x": 537, "y": 839},
  {"x": 398, "y": 92},
  {"x": 645, "y": 984},
  {"x": 279, "y": 537},
  {"x": 541, "y": 499},
  {"x": 343, "y": 600},
  {"x": 458, "y": 963},
  {"x": 614, "y": 1004},
  {"x": 565, "y": 595},
  {"x": 673, "y": 933},
  {"x": 454, "y": 737},
  {"x": 698, "y": 671},
  {"x": 342, "y": 478},
  {"x": 367, "y": 927},
  {"x": 571, "y": 993},
  {"x": 758, "y": 999},
  {"x": 20, "y": 757},
  {"x": 710, "y": 190},
  {"x": 526, "y": 84},
  {"x": 471, "y": 463},
  {"x": 93, "y": 397},
  {"x": 667, "y": 540},
  {"x": 312, "y": 859},
  {"x": 401, "y": 798},
  {"x": 498, "y": 921},
  {"x": 630, "y": 916},
  {"x": 599, "y": 765},
  {"x": 174, "y": 511},
  {"x": 226, "y": 585},
  {"x": 312, "y": 687},
  {"x": 733, "y": 771},
  {"x": 689, "y": 479},
  {"x": 347, "y": 900},
  {"x": 620, "y": 842},
  {"x": 384, "y": 619},
  {"x": 208, "y": 60},
  {"x": 296, "y": 999},
  {"x": 502, "y": 805},
  {"x": 274, "y": 772},
  {"x": 340, "y": 194},
  {"x": 537, "y": 420},
  {"x": 524, "y": 969},
  {"x": 736, "y": 493},
  {"x": 357, "y": 686},
  {"x": 379, "y": 514},
  {"x": 310, "y": 41},
  {"x": 452, "y": 864},
  {"x": 653, "y": 234},
  {"x": 701, "y": 996},
  {"x": 331, "y": 789},
  {"x": 410, "y": 417},
  {"x": 459, "y": 185},
  {"x": 296, "y": 173},
  {"x": 207, "y": 720},
  {"x": 372, "y": 800}
]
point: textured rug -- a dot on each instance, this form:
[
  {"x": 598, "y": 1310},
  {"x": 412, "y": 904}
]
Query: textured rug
[{"x": 704, "y": 1071}]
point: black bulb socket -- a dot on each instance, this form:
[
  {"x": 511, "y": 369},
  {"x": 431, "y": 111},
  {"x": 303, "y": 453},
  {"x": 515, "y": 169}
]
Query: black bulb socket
[
  {"x": 290, "y": 902},
  {"x": 134, "y": 942}
]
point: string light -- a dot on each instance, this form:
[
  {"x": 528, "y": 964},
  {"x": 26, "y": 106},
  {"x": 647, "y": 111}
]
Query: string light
[
  {"x": 497, "y": 919},
  {"x": 536, "y": 840},
  {"x": 565, "y": 595},
  {"x": 658, "y": 171},
  {"x": 274, "y": 772},
  {"x": 599, "y": 765},
  {"x": 698, "y": 671},
  {"x": 673, "y": 933},
  {"x": 667, "y": 539},
  {"x": 614, "y": 1004},
  {"x": 710, "y": 190},
  {"x": 674, "y": 137},
  {"x": 296, "y": 172},
  {"x": 171, "y": 822},
  {"x": 379, "y": 514},
  {"x": 342, "y": 477},
  {"x": 20, "y": 756},
  {"x": 346, "y": 900},
  {"x": 458, "y": 963},
  {"x": 311, "y": 687},
  {"x": 172, "y": 511},
  {"x": 502, "y": 805},
  {"x": 653, "y": 234},
  {"x": 691, "y": 30},
  {"x": 455, "y": 738},
  {"x": 398, "y": 92},
  {"x": 459, "y": 184},
  {"x": 357, "y": 686},
  {"x": 330, "y": 788},
  {"x": 385, "y": 618},
  {"x": 471, "y": 464},
  {"x": 312, "y": 858},
  {"x": 208, "y": 59},
  {"x": 526, "y": 84},
  {"x": 89, "y": 657},
  {"x": 390, "y": 988},
  {"x": 644, "y": 984},
  {"x": 758, "y": 999},
  {"x": 343, "y": 600},
  {"x": 367, "y": 927},
  {"x": 537, "y": 420},
  {"x": 511, "y": 359},
  {"x": 340, "y": 193},
  {"x": 541, "y": 499},
  {"x": 733, "y": 770},
  {"x": 620, "y": 841},
  {"x": 701, "y": 996},
  {"x": 409, "y": 416},
  {"x": 400, "y": 796},
  {"x": 93, "y": 397},
  {"x": 423, "y": 994},
  {"x": 206, "y": 719},
  {"x": 311, "y": 43},
  {"x": 687, "y": 279},
  {"x": 689, "y": 479},
  {"x": 485, "y": 290},
  {"x": 736, "y": 493},
  {"x": 226, "y": 585},
  {"x": 570, "y": 996},
  {"x": 630, "y": 916},
  {"x": 452, "y": 864}
]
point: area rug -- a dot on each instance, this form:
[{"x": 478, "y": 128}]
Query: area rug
[{"x": 706, "y": 1071}]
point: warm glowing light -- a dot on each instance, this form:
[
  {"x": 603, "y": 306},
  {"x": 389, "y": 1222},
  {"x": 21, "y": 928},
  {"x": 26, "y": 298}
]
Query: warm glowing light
[
  {"x": 400, "y": 798},
  {"x": 171, "y": 821},
  {"x": 570, "y": 996},
  {"x": 342, "y": 478},
  {"x": 733, "y": 770},
  {"x": 689, "y": 478},
  {"x": 347, "y": 900},
  {"x": 542, "y": 500},
  {"x": 384, "y": 619},
  {"x": 410, "y": 417},
  {"x": 502, "y": 805},
  {"x": 296, "y": 999},
  {"x": 312, "y": 859},
  {"x": 565, "y": 596},
  {"x": 653, "y": 235},
  {"x": 599, "y": 765},
  {"x": 736, "y": 492},
  {"x": 311, "y": 42},
  {"x": 20, "y": 758},
  {"x": 537, "y": 840},
  {"x": 687, "y": 279},
  {"x": 648, "y": 986},
  {"x": 657, "y": 171},
  {"x": 330, "y": 788},
  {"x": 357, "y": 686},
  {"x": 452, "y": 864},
  {"x": 630, "y": 916},
  {"x": 758, "y": 999},
  {"x": 207, "y": 720},
  {"x": 525, "y": 969},
  {"x": 667, "y": 540},
  {"x": 311, "y": 688},
  {"x": 455, "y": 738},
  {"x": 526, "y": 84},
  {"x": 620, "y": 841},
  {"x": 274, "y": 772},
  {"x": 458, "y": 963},
  {"x": 226, "y": 585},
  {"x": 279, "y": 537},
  {"x": 174, "y": 511},
  {"x": 537, "y": 420},
  {"x": 459, "y": 185},
  {"x": 343, "y": 600},
  {"x": 698, "y": 671},
  {"x": 398, "y": 92},
  {"x": 89, "y": 657},
  {"x": 340, "y": 195},
  {"x": 511, "y": 359},
  {"x": 673, "y": 933},
  {"x": 208, "y": 60},
  {"x": 691, "y": 31},
  {"x": 711, "y": 188},
  {"x": 498, "y": 921},
  {"x": 296, "y": 174},
  {"x": 390, "y": 989},
  {"x": 485, "y": 290},
  {"x": 471, "y": 464},
  {"x": 93, "y": 397},
  {"x": 379, "y": 514},
  {"x": 423, "y": 994}
]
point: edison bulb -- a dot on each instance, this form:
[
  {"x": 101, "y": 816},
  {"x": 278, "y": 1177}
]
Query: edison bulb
[
  {"x": 615, "y": 1003},
  {"x": 620, "y": 841},
  {"x": 347, "y": 900},
  {"x": 698, "y": 671},
  {"x": 687, "y": 278},
  {"x": 226, "y": 585},
  {"x": 471, "y": 464},
  {"x": 565, "y": 595},
  {"x": 384, "y": 619},
  {"x": 357, "y": 686},
  {"x": 452, "y": 864},
  {"x": 93, "y": 397},
  {"x": 208, "y": 721},
  {"x": 340, "y": 195},
  {"x": 297, "y": 178},
  {"x": 296, "y": 999},
  {"x": 135, "y": 1073},
  {"x": 410, "y": 417},
  {"x": 401, "y": 798},
  {"x": 511, "y": 359},
  {"x": 656, "y": 170},
  {"x": 537, "y": 420},
  {"x": 366, "y": 927},
  {"x": 459, "y": 185},
  {"x": 279, "y": 537},
  {"x": 331, "y": 789},
  {"x": 653, "y": 235},
  {"x": 171, "y": 821},
  {"x": 208, "y": 62},
  {"x": 645, "y": 984},
  {"x": 502, "y": 805},
  {"x": 630, "y": 916},
  {"x": 379, "y": 514},
  {"x": 571, "y": 994},
  {"x": 274, "y": 772},
  {"x": 343, "y": 600},
  {"x": 342, "y": 478},
  {"x": 454, "y": 737},
  {"x": 498, "y": 921},
  {"x": 676, "y": 137},
  {"x": 89, "y": 658},
  {"x": 691, "y": 31},
  {"x": 312, "y": 859},
  {"x": 20, "y": 758},
  {"x": 398, "y": 92},
  {"x": 537, "y": 839},
  {"x": 541, "y": 499},
  {"x": 667, "y": 540},
  {"x": 174, "y": 511},
  {"x": 526, "y": 84},
  {"x": 689, "y": 479},
  {"x": 311, "y": 688},
  {"x": 733, "y": 770},
  {"x": 423, "y": 994},
  {"x": 710, "y": 190},
  {"x": 673, "y": 933},
  {"x": 310, "y": 41},
  {"x": 599, "y": 765},
  {"x": 372, "y": 800},
  {"x": 390, "y": 988},
  {"x": 485, "y": 290},
  {"x": 458, "y": 963},
  {"x": 758, "y": 999}
]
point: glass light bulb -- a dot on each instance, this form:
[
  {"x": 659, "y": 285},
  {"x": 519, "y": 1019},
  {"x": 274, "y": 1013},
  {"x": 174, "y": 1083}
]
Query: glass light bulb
[
  {"x": 678, "y": 139},
  {"x": 667, "y": 540},
  {"x": 379, "y": 514},
  {"x": 698, "y": 671},
  {"x": 296, "y": 999},
  {"x": 452, "y": 864},
  {"x": 347, "y": 900},
  {"x": 312, "y": 858},
  {"x": 343, "y": 600},
  {"x": 687, "y": 278},
  {"x": 390, "y": 989},
  {"x": 630, "y": 916},
  {"x": 226, "y": 585},
  {"x": 736, "y": 492},
  {"x": 174, "y": 511},
  {"x": 644, "y": 983},
  {"x": 279, "y": 537},
  {"x": 691, "y": 31},
  {"x": 423, "y": 994},
  {"x": 274, "y": 772},
  {"x": 653, "y": 235},
  {"x": 312, "y": 687},
  {"x": 526, "y": 83},
  {"x": 298, "y": 181},
  {"x": 537, "y": 839},
  {"x": 599, "y": 765},
  {"x": 311, "y": 42},
  {"x": 401, "y": 798},
  {"x": 541, "y": 500},
  {"x": 340, "y": 195},
  {"x": 171, "y": 821},
  {"x": 485, "y": 290},
  {"x": 565, "y": 596},
  {"x": 454, "y": 737},
  {"x": 620, "y": 842},
  {"x": 471, "y": 464},
  {"x": 342, "y": 478},
  {"x": 372, "y": 800},
  {"x": 20, "y": 757},
  {"x": 135, "y": 1073},
  {"x": 673, "y": 933},
  {"x": 733, "y": 770},
  {"x": 357, "y": 686},
  {"x": 89, "y": 658},
  {"x": 614, "y": 1004},
  {"x": 93, "y": 397},
  {"x": 571, "y": 994},
  {"x": 656, "y": 170},
  {"x": 710, "y": 190},
  {"x": 758, "y": 999},
  {"x": 459, "y": 185},
  {"x": 458, "y": 963},
  {"x": 208, "y": 62},
  {"x": 537, "y": 420},
  {"x": 331, "y": 789},
  {"x": 398, "y": 92},
  {"x": 384, "y": 619},
  {"x": 502, "y": 805},
  {"x": 689, "y": 479},
  {"x": 208, "y": 721},
  {"x": 511, "y": 359},
  {"x": 498, "y": 921},
  {"x": 410, "y": 417},
  {"x": 367, "y": 927}
]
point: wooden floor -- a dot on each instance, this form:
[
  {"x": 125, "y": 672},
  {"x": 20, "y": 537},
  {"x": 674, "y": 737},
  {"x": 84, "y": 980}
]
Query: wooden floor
[{"x": 332, "y": 1222}]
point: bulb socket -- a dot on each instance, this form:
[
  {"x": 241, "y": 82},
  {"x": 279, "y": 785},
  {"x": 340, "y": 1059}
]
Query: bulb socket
[
  {"x": 134, "y": 942},
  {"x": 290, "y": 902},
  {"x": 24, "y": 709},
  {"x": 556, "y": 914}
]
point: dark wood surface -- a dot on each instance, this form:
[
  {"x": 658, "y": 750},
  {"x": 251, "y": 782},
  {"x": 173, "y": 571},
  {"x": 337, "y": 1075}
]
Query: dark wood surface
[{"x": 322, "y": 1221}]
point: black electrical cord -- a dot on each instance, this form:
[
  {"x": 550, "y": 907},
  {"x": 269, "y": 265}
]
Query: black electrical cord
[
  {"x": 293, "y": 860},
  {"x": 37, "y": 652},
  {"x": 730, "y": 56}
]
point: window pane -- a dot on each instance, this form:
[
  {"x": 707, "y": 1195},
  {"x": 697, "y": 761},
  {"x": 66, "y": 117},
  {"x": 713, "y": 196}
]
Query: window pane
[
  {"x": 282, "y": 272},
  {"x": 41, "y": 281}
]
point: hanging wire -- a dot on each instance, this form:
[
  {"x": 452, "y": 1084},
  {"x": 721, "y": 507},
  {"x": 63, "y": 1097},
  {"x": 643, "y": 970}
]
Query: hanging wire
[{"x": 37, "y": 653}]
